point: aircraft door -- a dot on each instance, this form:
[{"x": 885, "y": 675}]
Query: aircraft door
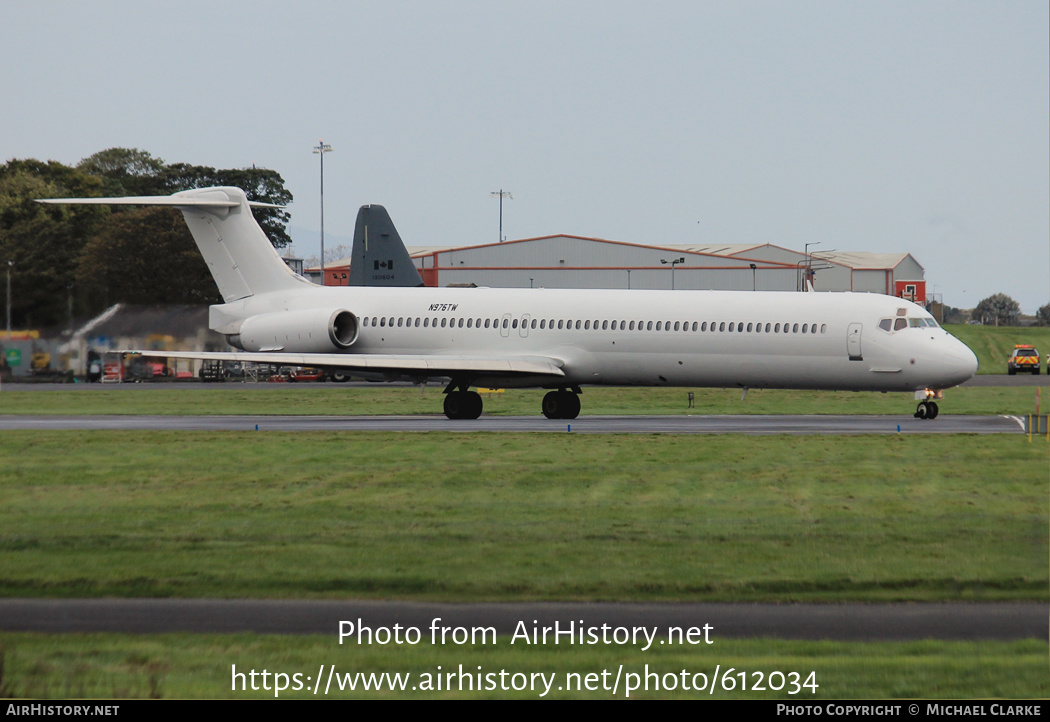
[
  {"x": 853, "y": 342},
  {"x": 524, "y": 329},
  {"x": 504, "y": 326}
]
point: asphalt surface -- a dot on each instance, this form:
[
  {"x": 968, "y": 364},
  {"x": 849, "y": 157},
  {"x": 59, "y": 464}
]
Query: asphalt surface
[
  {"x": 699, "y": 424},
  {"x": 843, "y": 622},
  {"x": 1007, "y": 380},
  {"x": 751, "y": 425}
]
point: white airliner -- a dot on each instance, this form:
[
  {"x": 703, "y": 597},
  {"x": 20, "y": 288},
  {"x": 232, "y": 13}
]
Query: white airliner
[{"x": 557, "y": 339}]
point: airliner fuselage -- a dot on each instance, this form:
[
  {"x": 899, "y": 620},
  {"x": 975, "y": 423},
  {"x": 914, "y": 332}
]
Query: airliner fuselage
[
  {"x": 644, "y": 338},
  {"x": 552, "y": 338}
]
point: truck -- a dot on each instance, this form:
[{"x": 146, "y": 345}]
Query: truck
[{"x": 1024, "y": 358}]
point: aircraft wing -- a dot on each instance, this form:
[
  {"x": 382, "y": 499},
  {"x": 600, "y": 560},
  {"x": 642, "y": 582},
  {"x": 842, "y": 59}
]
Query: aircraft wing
[{"x": 414, "y": 365}]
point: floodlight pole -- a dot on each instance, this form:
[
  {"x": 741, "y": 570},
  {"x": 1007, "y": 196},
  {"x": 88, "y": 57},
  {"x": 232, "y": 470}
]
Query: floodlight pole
[
  {"x": 321, "y": 148},
  {"x": 674, "y": 262},
  {"x": 501, "y": 193},
  {"x": 9, "y": 264},
  {"x": 809, "y": 263}
]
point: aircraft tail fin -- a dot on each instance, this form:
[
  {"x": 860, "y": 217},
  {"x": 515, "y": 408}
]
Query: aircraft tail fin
[
  {"x": 241, "y": 258},
  {"x": 379, "y": 257}
]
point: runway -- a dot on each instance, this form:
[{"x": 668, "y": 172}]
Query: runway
[
  {"x": 840, "y": 622},
  {"x": 700, "y": 424}
]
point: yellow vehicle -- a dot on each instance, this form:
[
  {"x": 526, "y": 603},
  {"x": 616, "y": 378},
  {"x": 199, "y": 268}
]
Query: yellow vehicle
[
  {"x": 41, "y": 362},
  {"x": 1024, "y": 358}
]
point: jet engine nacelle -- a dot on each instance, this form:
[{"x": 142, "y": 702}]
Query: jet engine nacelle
[{"x": 320, "y": 330}]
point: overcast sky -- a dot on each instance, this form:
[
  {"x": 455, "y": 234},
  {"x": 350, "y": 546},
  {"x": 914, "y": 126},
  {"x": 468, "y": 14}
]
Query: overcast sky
[{"x": 865, "y": 126}]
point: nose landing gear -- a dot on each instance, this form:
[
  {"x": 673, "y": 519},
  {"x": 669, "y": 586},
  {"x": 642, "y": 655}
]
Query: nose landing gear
[
  {"x": 927, "y": 406},
  {"x": 927, "y": 410}
]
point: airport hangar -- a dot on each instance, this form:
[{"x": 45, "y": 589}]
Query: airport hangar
[{"x": 564, "y": 261}]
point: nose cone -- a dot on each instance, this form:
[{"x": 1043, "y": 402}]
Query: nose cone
[{"x": 960, "y": 363}]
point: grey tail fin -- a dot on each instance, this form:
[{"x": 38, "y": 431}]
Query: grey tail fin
[{"x": 379, "y": 258}]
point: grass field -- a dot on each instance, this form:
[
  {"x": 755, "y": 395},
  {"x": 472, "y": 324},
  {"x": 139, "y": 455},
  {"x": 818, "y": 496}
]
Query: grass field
[
  {"x": 515, "y": 516},
  {"x": 511, "y": 517},
  {"x": 336, "y": 399},
  {"x": 993, "y": 344},
  {"x": 186, "y": 666}
]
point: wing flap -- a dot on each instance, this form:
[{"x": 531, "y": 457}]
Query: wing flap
[{"x": 380, "y": 363}]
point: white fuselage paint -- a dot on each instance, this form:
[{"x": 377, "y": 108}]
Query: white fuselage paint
[
  {"x": 906, "y": 360},
  {"x": 277, "y": 317}
]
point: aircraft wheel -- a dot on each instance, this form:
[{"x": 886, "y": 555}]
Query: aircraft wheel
[
  {"x": 339, "y": 377},
  {"x": 571, "y": 406},
  {"x": 552, "y": 405},
  {"x": 454, "y": 404},
  {"x": 463, "y": 404},
  {"x": 473, "y": 406},
  {"x": 932, "y": 410},
  {"x": 920, "y": 412},
  {"x": 561, "y": 405}
]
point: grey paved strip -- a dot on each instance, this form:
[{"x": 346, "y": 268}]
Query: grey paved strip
[{"x": 752, "y": 425}]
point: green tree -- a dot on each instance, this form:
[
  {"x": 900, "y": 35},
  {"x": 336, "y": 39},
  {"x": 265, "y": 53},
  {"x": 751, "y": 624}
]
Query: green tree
[
  {"x": 954, "y": 315},
  {"x": 126, "y": 171},
  {"x": 102, "y": 255},
  {"x": 999, "y": 309},
  {"x": 1043, "y": 314},
  {"x": 134, "y": 172},
  {"x": 44, "y": 241},
  {"x": 259, "y": 184},
  {"x": 146, "y": 256}
]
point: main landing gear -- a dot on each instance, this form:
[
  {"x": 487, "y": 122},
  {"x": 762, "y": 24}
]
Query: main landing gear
[
  {"x": 462, "y": 404},
  {"x": 927, "y": 410},
  {"x": 561, "y": 404}
]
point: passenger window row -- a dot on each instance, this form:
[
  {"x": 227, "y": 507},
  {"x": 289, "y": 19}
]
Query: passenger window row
[{"x": 595, "y": 325}]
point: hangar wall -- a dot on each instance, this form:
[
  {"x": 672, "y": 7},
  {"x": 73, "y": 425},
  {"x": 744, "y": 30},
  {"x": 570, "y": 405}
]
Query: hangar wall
[
  {"x": 576, "y": 262},
  {"x": 565, "y": 261}
]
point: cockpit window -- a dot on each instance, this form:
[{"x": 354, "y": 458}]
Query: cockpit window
[
  {"x": 921, "y": 322},
  {"x": 899, "y": 323}
]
